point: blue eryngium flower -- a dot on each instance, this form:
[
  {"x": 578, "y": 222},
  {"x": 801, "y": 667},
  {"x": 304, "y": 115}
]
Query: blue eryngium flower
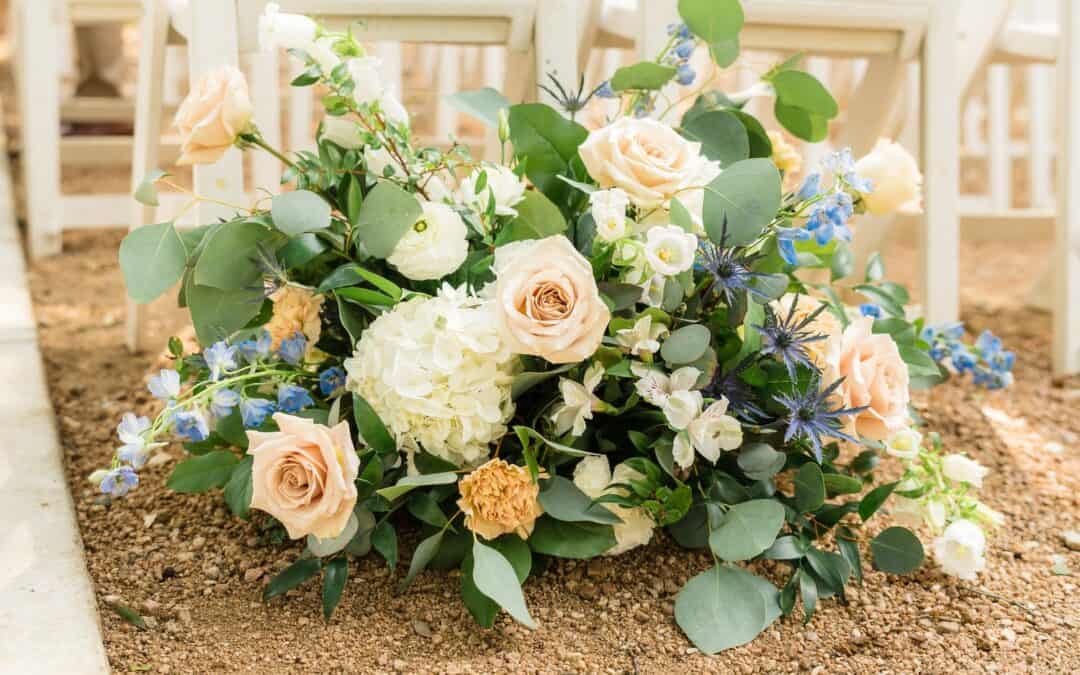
[
  {"x": 119, "y": 481},
  {"x": 739, "y": 394},
  {"x": 191, "y": 426},
  {"x": 786, "y": 338},
  {"x": 811, "y": 416},
  {"x": 729, "y": 268},
  {"x": 330, "y": 380},
  {"x": 292, "y": 349},
  {"x": 292, "y": 399},
  {"x": 254, "y": 411},
  {"x": 220, "y": 357}
]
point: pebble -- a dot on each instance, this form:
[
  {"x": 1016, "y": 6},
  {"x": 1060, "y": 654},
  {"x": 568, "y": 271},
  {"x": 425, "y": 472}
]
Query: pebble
[
  {"x": 1054, "y": 448},
  {"x": 254, "y": 574},
  {"x": 197, "y": 543},
  {"x": 212, "y": 571},
  {"x": 422, "y": 628},
  {"x": 1071, "y": 539},
  {"x": 151, "y": 607},
  {"x": 949, "y": 627}
]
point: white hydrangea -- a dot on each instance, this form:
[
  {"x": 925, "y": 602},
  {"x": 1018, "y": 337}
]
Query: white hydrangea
[
  {"x": 593, "y": 476},
  {"x": 437, "y": 372}
]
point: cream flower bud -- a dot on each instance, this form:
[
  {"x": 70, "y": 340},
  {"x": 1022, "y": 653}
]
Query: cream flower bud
[
  {"x": 609, "y": 213},
  {"x": 502, "y": 184},
  {"x": 960, "y": 468},
  {"x": 895, "y": 178},
  {"x": 343, "y": 132}
]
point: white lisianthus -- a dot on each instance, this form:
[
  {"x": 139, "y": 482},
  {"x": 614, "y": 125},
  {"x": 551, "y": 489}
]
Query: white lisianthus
[
  {"x": 343, "y": 132},
  {"x": 503, "y": 184},
  {"x": 655, "y": 386},
  {"x": 579, "y": 402},
  {"x": 609, "y": 213},
  {"x": 895, "y": 179},
  {"x": 593, "y": 476},
  {"x": 370, "y": 88},
  {"x": 670, "y": 249},
  {"x": 438, "y": 373},
  {"x": 959, "y": 468},
  {"x": 434, "y": 246},
  {"x": 643, "y": 338},
  {"x": 904, "y": 444},
  {"x": 961, "y": 550}
]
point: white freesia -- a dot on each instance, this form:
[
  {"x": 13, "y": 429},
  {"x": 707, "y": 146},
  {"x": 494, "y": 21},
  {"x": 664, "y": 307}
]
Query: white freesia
[
  {"x": 502, "y": 184},
  {"x": 656, "y": 387},
  {"x": 670, "y": 249},
  {"x": 895, "y": 179},
  {"x": 593, "y": 476},
  {"x": 609, "y": 213},
  {"x": 579, "y": 402},
  {"x": 904, "y": 444},
  {"x": 961, "y": 550},
  {"x": 959, "y": 468},
  {"x": 438, "y": 372},
  {"x": 644, "y": 338},
  {"x": 434, "y": 246}
]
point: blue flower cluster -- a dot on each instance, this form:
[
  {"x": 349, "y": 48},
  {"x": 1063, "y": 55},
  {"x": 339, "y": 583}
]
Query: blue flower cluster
[
  {"x": 677, "y": 56},
  {"x": 990, "y": 365}
]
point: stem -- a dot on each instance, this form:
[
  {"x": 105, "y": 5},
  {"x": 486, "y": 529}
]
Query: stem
[{"x": 257, "y": 139}]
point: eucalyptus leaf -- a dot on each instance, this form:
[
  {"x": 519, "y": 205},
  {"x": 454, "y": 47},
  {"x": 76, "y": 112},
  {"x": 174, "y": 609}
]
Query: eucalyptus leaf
[
  {"x": 483, "y": 104},
  {"x": 322, "y": 548},
  {"x": 291, "y": 577},
  {"x": 745, "y": 196},
  {"x": 747, "y": 529},
  {"x": 408, "y": 483},
  {"x": 686, "y": 344},
  {"x": 335, "y": 575},
  {"x": 562, "y": 500},
  {"x": 721, "y": 608},
  {"x": 897, "y": 551},
  {"x": 646, "y": 75},
  {"x": 722, "y": 136},
  {"x": 495, "y": 577},
  {"x": 152, "y": 258},
  {"x": 386, "y": 214},
  {"x": 423, "y": 555},
  {"x": 229, "y": 259},
  {"x": 202, "y": 473},
  {"x": 570, "y": 540},
  {"x": 809, "y": 488},
  {"x": 147, "y": 193},
  {"x": 299, "y": 211}
]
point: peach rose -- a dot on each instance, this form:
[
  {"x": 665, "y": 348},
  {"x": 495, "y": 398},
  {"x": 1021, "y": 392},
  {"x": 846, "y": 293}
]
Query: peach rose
[
  {"x": 498, "y": 498},
  {"x": 547, "y": 300},
  {"x": 304, "y": 475},
  {"x": 296, "y": 310},
  {"x": 647, "y": 159},
  {"x": 875, "y": 376},
  {"x": 215, "y": 112}
]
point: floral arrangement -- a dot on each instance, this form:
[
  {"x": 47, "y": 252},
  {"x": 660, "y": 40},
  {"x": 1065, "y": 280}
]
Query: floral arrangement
[{"x": 607, "y": 333}]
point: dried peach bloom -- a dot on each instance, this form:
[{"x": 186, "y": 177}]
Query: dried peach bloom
[
  {"x": 498, "y": 498},
  {"x": 296, "y": 310}
]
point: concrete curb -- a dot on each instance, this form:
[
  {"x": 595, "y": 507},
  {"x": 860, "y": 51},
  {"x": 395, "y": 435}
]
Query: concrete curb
[{"x": 48, "y": 615}]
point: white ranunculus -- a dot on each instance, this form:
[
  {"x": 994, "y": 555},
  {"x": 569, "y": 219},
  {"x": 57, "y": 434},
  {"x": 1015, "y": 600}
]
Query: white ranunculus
[
  {"x": 713, "y": 431},
  {"x": 670, "y": 249},
  {"x": 438, "y": 373},
  {"x": 579, "y": 402},
  {"x": 344, "y": 132},
  {"x": 593, "y": 476},
  {"x": 959, "y": 468},
  {"x": 961, "y": 550},
  {"x": 682, "y": 407},
  {"x": 643, "y": 338},
  {"x": 502, "y": 183},
  {"x": 895, "y": 179},
  {"x": 904, "y": 444},
  {"x": 609, "y": 213},
  {"x": 434, "y": 246}
]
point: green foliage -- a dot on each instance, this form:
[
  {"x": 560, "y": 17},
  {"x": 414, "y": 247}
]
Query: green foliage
[
  {"x": 897, "y": 551},
  {"x": 537, "y": 218},
  {"x": 747, "y": 529},
  {"x": 562, "y": 500},
  {"x": 202, "y": 473},
  {"x": 809, "y": 488},
  {"x": 239, "y": 488},
  {"x": 483, "y": 104},
  {"x": 335, "y": 575},
  {"x": 409, "y": 483},
  {"x": 371, "y": 428},
  {"x": 386, "y": 214},
  {"x": 547, "y": 143},
  {"x": 721, "y": 608},
  {"x": 645, "y": 76},
  {"x": 299, "y": 211},
  {"x": 746, "y": 196},
  {"x": 722, "y": 135},
  {"x": 686, "y": 345},
  {"x": 803, "y": 105},
  {"x": 291, "y": 577},
  {"x": 230, "y": 255},
  {"x": 152, "y": 259},
  {"x": 495, "y": 577},
  {"x": 570, "y": 540}
]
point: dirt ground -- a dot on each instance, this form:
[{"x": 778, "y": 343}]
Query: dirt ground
[{"x": 195, "y": 573}]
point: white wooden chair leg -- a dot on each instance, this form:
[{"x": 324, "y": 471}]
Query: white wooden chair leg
[
  {"x": 213, "y": 44},
  {"x": 1066, "y": 348},
  {"x": 874, "y": 98},
  {"x": 266, "y": 97},
  {"x": 449, "y": 82},
  {"x": 556, "y": 44},
  {"x": 493, "y": 65},
  {"x": 39, "y": 99},
  {"x": 301, "y": 107},
  {"x": 149, "y": 91},
  {"x": 940, "y": 161},
  {"x": 999, "y": 155}
]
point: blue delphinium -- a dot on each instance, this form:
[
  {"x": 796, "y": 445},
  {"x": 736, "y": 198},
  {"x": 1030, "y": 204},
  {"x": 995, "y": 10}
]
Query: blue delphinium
[
  {"x": 165, "y": 385},
  {"x": 785, "y": 240},
  {"x": 191, "y": 426},
  {"x": 870, "y": 309},
  {"x": 812, "y": 417},
  {"x": 254, "y": 411},
  {"x": 680, "y": 29},
  {"x": 810, "y": 188},
  {"x": 132, "y": 434},
  {"x": 786, "y": 338},
  {"x": 220, "y": 358},
  {"x": 292, "y": 349},
  {"x": 828, "y": 217},
  {"x": 331, "y": 380},
  {"x": 990, "y": 365},
  {"x": 223, "y": 401},
  {"x": 292, "y": 399},
  {"x": 119, "y": 481},
  {"x": 684, "y": 49},
  {"x": 253, "y": 350},
  {"x": 685, "y": 74}
]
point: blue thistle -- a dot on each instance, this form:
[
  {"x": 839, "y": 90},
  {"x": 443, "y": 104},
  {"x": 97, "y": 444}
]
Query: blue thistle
[
  {"x": 730, "y": 270},
  {"x": 786, "y": 338},
  {"x": 739, "y": 394},
  {"x": 811, "y": 417}
]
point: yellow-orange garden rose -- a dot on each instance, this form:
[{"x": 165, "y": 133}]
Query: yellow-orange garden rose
[
  {"x": 824, "y": 323},
  {"x": 875, "y": 376},
  {"x": 217, "y": 110},
  {"x": 547, "y": 300},
  {"x": 304, "y": 475},
  {"x": 648, "y": 160},
  {"x": 296, "y": 310},
  {"x": 498, "y": 498}
]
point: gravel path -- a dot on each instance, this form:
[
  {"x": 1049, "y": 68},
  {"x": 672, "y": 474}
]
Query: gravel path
[{"x": 195, "y": 573}]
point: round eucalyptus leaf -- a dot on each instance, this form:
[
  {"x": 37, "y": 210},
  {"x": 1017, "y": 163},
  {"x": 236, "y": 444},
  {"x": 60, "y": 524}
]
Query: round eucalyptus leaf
[
  {"x": 686, "y": 344},
  {"x": 747, "y": 529},
  {"x": 324, "y": 547},
  {"x": 721, "y": 608},
  {"x": 897, "y": 551}
]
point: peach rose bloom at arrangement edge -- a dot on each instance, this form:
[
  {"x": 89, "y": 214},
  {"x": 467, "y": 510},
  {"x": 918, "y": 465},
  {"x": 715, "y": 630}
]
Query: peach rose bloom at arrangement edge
[
  {"x": 875, "y": 376},
  {"x": 547, "y": 300},
  {"x": 215, "y": 112},
  {"x": 304, "y": 475}
]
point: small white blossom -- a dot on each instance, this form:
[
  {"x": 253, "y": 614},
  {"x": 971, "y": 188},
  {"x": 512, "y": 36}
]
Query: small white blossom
[
  {"x": 959, "y": 468},
  {"x": 609, "y": 213},
  {"x": 594, "y": 477},
  {"x": 643, "y": 338},
  {"x": 579, "y": 402},
  {"x": 961, "y": 550},
  {"x": 655, "y": 386},
  {"x": 670, "y": 249},
  {"x": 904, "y": 444},
  {"x": 682, "y": 407},
  {"x": 652, "y": 293},
  {"x": 502, "y": 184},
  {"x": 713, "y": 431}
]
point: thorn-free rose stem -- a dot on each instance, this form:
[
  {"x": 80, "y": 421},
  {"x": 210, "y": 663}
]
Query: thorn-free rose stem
[{"x": 257, "y": 139}]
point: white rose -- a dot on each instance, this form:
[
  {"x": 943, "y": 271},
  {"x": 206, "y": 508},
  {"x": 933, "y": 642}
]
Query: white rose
[
  {"x": 647, "y": 159},
  {"x": 609, "y": 213},
  {"x": 279, "y": 30},
  {"x": 895, "y": 179},
  {"x": 961, "y": 550},
  {"x": 670, "y": 249},
  {"x": 502, "y": 183},
  {"x": 434, "y": 246},
  {"x": 344, "y": 132},
  {"x": 714, "y": 431},
  {"x": 904, "y": 444},
  {"x": 963, "y": 470},
  {"x": 681, "y": 408}
]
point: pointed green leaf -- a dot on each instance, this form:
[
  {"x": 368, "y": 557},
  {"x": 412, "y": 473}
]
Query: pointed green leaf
[
  {"x": 494, "y": 576},
  {"x": 334, "y": 577}
]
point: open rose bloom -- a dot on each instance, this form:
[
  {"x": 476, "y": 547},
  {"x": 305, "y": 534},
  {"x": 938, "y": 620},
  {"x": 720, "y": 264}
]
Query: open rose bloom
[{"x": 217, "y": 110}]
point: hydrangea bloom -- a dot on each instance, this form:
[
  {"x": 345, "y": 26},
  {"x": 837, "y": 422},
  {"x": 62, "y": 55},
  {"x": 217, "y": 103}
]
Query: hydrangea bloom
[{"x": 438, "y": 374}]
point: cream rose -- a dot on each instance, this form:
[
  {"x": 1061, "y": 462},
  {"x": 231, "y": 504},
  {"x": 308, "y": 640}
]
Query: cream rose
[
  {"x": 875, "y": 376},
  {"x": 434, "y": 246},
  {"x": 304, "y": 475},
  {"x": 547, "y": 300},
  {"x": 647, "y": 159},
  {"x": 215, "y": 112},
  {"x": 895, "y": 178}
]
